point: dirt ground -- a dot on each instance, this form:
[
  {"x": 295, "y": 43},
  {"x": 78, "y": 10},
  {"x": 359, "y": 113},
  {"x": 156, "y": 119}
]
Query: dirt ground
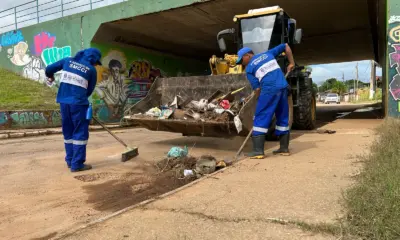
[{"x": 41, "y": 199}]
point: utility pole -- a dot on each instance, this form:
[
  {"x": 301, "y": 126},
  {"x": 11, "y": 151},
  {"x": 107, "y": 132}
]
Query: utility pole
[
  {"x": 354, "y": 83},
  {"x": 372, "y": 84}
]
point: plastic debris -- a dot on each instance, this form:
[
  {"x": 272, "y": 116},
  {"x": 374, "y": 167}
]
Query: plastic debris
[
  {"x": 199, "y": 105},
  {"x": 205, "y": 165},
  {"x": 188, "y": 172},
  {"x": 166, "y": 113},
  {"x": 176, "y": 152},
  {"x": 219, "y": 110},
  {"x": 238, "y": 124},
  {"x": 225, "y": 104},
  {"x": 154, "y": 112}
]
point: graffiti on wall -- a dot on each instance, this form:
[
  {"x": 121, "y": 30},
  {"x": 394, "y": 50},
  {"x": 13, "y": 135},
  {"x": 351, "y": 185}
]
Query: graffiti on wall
[
  {"x": 54, "y": 54},
  {"x": 121, "y": 84},
  {"x": 26, "y": 119},
  {"x": 11, "y": 38},
  {"x": 394, "y": 59},
  {"x": 42, "y": 41},
  {"x": 34, "y": 59}
]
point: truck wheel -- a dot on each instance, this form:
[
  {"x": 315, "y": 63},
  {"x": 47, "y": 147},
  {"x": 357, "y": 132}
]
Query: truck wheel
[{"x": 305, "y": 112}]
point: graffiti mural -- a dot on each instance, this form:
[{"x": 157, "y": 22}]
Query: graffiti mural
[
  {"x": 34, "y": 57},
  {"x": 394, "y": 63},
  {"x": 35, "y": 70},
  {"x": 30, "y": 119},
  {"x": 54, "y": 54},
  {"x": 120, "y": 85},
  {"x": 11, "y": 38},
  {"x": 19, "y": 54},
  {"x": 42, "y": 41}
]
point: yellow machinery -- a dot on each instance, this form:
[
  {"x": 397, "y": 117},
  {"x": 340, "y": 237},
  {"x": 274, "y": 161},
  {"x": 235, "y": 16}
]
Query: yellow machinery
[{"x": 226, "y": 65}]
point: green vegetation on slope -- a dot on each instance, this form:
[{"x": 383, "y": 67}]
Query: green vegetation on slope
[
  {"x": 18, "y": 93},
  {"x": 373, "y": 203}
]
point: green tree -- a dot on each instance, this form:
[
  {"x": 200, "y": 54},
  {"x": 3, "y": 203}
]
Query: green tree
[
  {"x": 339, "y": 87},
  {"x": 327, "y": 85},
  {"x": 315, "y": 88}
]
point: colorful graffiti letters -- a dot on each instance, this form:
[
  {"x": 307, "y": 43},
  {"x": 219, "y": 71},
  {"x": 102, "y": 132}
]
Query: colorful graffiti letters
[
  {"x": 52, "y": 55},
  {"x": 11, "y": 38},
  {"x": 394, "y": 59},
  {"x": 42, "y": 41},
  {"x": 28, "y": 118}
]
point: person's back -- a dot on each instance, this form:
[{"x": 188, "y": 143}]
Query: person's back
[
  {"x": 267, "y": 71},
  {"x": 78, "y": 77}
]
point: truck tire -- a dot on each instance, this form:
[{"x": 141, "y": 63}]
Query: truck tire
[{"x": 305, "y": 112}]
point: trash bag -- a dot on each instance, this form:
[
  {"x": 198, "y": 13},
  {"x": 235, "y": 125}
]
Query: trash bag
[{"x": 177, "y": 152}]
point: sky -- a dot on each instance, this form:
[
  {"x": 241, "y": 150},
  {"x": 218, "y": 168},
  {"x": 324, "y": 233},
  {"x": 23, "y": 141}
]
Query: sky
[
  {"x": 319, "y": 73},
  {"x": 336, "y": 70}
]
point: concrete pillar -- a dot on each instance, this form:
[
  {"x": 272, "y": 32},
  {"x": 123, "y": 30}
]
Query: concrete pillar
[
  {"x": 393, "y": 58},
  {"x": 372, "y": 86}
]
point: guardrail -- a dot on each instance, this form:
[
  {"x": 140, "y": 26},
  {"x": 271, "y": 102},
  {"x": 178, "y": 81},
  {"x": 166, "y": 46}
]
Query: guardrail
[{"x": 37, "y": 11}]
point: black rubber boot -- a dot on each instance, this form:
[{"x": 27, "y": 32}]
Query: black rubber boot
[
  {"x": 258, "y": 147},
  {"x": 84, "y": 168},
  {"x": 284, "y": 145}
]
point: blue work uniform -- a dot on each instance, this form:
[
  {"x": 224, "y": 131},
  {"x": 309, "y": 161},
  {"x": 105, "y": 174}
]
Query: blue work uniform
[
  {"x": 264, "y": 72},
  {"x": 77, "y": 81}
]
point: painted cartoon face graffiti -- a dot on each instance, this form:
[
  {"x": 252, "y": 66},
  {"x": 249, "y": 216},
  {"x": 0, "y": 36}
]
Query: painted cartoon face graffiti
[
  {"x": 18, "y": 55},
  {"x": 118, "y": 88}
]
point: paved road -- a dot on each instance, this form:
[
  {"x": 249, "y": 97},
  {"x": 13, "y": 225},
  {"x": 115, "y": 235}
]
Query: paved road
[{"x": 41, "y": 199}]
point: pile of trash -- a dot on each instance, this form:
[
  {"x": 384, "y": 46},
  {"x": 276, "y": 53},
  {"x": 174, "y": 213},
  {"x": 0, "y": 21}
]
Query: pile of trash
[
  {"x": 220, "y": 107},
  {"x": 188, "y": 167}
]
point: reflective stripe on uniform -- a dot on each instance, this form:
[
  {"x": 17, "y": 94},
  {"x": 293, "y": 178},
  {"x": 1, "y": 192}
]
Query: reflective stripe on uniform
[
  {"x": 69, "y": 141},
  {"x": 74, "y": 79},
  {"x": 266, "y": 68},
  {"x": 260, "y": 129},
  {"x": 280, "y": 128},
  {"x": 77, "y": 142}
]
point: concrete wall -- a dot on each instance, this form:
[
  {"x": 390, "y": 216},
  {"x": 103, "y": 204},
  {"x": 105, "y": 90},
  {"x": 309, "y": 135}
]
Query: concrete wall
[
  {"x": 29, "y": 119},
  {"x": 29, "y": 50},
  {"x": 393, "y": 60}
]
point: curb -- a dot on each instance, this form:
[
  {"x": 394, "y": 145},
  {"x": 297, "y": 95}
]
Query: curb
[{"x": 35, "y": 133}]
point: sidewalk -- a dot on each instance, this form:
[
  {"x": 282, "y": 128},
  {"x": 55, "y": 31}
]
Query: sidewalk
[
  {"x": 245, "y": 201},
  {"x": 21, "y": 133}
]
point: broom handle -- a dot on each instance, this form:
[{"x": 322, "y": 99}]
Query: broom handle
[
  {"x": 112, "y": 134},
  {"x": 244, "y": 143}
]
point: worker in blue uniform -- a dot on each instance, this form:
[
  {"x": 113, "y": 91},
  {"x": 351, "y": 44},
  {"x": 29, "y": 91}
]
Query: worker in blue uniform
[
  {"x": 77, "y": 81},
  {"x": 271, "y": 89}
]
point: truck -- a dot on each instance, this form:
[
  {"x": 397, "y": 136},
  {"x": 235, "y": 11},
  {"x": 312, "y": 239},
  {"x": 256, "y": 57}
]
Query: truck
[{"x": 259, "y": 29}]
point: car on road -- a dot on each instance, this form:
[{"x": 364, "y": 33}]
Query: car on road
[{"x": 332, "y": 98}]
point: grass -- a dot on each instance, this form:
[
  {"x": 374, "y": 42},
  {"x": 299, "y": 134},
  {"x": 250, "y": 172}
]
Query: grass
[
  {"x": 373, "y": 203},
  {"x": 19, "y": 93}
]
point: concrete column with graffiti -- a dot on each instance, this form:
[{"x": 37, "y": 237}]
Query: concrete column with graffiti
[{"x": 393, "y": 61}]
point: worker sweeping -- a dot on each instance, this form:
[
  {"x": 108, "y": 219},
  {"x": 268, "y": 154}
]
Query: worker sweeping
[
  {"x": 271, "y": 89},
  {"x": 77, "y": 81}
]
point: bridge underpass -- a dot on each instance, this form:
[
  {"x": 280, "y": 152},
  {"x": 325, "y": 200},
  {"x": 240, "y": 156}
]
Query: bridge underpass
[
  {"x": 332, "y": 32},
  {"x": 158, "y": 32}
]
